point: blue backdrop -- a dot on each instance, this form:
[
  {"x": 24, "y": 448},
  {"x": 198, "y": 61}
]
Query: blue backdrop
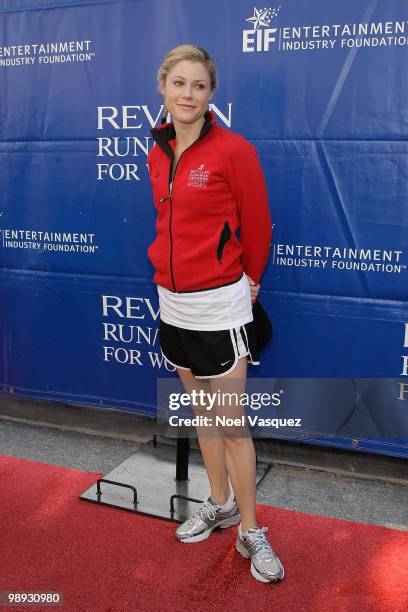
[{"x": 318, "y": 86}]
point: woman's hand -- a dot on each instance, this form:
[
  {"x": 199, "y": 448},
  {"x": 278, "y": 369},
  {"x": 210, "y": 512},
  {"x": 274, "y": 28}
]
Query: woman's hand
[{"x": 254, "y": 289}]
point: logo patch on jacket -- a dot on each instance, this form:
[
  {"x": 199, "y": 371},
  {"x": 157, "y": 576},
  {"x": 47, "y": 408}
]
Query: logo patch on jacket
[{"x": 198, "y": 177}]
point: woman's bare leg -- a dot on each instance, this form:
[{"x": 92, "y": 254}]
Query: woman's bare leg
[
  {"x": 240, "y": 457},
  {"x": 210, "y": 441}
]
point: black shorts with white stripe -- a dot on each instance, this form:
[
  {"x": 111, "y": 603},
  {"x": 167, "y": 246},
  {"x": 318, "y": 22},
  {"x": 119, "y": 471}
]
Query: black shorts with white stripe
[{"x": 208, "y": 354}]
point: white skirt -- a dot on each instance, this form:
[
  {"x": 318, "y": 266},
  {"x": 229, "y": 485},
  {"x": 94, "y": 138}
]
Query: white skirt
[{"x": 210, "y": 310}]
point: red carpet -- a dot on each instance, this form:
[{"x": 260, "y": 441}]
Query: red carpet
[{"x": 104, "y": 559}]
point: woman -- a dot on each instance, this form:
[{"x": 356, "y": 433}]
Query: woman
[{"x": 208, "y": 184}]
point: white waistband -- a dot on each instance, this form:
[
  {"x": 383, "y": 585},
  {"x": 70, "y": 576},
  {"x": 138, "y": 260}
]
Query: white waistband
[{"x": 209, "y": 310}]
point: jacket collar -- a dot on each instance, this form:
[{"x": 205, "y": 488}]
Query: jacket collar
[{"x": 166, "y": 132}]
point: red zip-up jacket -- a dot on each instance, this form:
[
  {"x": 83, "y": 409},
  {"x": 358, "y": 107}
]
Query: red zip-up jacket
[{"x": 218, "y": 188}]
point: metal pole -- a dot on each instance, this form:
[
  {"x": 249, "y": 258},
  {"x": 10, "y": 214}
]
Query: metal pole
[{"x": 183, "y": 448}]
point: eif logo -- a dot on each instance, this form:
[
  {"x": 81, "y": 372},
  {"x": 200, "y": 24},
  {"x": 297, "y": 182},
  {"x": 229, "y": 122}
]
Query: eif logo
[{"x": 262, "y": 36}]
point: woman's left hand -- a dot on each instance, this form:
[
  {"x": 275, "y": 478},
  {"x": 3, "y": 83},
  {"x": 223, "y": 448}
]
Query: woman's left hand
[{"x": 254, "y": 289}]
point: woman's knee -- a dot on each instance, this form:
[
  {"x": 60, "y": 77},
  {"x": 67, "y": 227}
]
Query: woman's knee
[
  {"x": 236, "y": 437},
  {"x": 192, "y": 383}
]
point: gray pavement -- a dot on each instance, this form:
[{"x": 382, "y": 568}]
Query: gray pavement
[
  {"x": 303, "y": 478},
  {"x": 329, "y": 494}
]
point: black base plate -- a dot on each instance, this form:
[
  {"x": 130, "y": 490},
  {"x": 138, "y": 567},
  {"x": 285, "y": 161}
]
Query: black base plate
[{"x": 151, "y": 470}]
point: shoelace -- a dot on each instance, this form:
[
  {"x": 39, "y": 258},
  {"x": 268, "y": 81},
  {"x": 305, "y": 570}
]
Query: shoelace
[
  {"x": 262, "y": 545},
  {"x": 207, "y": 509}
]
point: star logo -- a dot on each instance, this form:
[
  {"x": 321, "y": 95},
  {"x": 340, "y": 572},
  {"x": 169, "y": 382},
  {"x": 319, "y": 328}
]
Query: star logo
[{"x": 263, "y": 17}]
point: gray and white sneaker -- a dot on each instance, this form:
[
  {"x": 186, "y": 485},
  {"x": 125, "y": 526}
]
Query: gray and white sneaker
[
  {"x": 206, "y": 518},
  {"x": 265, "y": 565}
]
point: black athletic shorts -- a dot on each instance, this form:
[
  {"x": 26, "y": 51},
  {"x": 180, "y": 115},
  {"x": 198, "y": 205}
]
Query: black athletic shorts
[{"x": 208, "y": 354}]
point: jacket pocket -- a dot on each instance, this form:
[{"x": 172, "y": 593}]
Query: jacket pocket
[{"x": 225, "y": 235}]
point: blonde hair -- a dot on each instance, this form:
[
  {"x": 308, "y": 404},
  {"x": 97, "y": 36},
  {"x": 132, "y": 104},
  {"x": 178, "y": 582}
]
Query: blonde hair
[{"x": 191, "y": 53}]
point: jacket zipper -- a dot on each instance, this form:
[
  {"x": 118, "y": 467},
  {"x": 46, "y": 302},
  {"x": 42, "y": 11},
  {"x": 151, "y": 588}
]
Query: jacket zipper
[
  {"x": 171, "y": 213},
  {"x": 171, "y": 208},
  {"x": 225, "y": 235}
]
